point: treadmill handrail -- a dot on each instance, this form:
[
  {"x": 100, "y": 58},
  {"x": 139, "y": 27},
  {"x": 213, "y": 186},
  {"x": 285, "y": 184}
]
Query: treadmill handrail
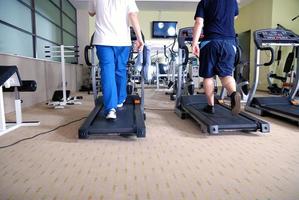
[{"x": 272, "y": 56}]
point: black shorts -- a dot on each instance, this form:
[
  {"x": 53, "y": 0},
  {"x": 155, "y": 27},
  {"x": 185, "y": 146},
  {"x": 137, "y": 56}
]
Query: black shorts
[{"x": 217, "y": 57}]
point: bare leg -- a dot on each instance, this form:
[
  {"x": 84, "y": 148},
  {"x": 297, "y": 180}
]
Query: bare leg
[
  {"x": 208, "y": 85},
  {"x": 229, "y": 83}
]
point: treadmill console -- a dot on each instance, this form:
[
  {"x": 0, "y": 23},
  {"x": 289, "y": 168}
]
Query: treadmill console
[
  {"x": 274, "y": 36},
  {"x": 186, "y": 35}
]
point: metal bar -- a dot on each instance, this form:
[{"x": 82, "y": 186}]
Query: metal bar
[
  {"x": 75, "y": 51},
  {"x": 256, "y": 78},
  {"x": 295, "y": 87},
  {"x": 280, "y": 44},
  {"x": 93, "y": 76},
  {"x": 59, "y": 46},
  {"x": 179, "y": 82},
  {"x": 33, "y": 22},
  {"x": 63, "y": 74},
  {"x": 2, "y": 113},
  {"x": 60, "y": 56}
]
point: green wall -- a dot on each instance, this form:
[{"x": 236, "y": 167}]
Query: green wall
[
  {"x": 283, "y": 12},
  {"x": 261, "y": 14},
  {"x": 256, "y": 15},
  {"x": 146, "y": 17},
  {"x": 184, "y": 19}
]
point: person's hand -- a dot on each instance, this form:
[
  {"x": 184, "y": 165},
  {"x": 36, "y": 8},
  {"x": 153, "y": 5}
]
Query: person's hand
[
  {"x": 139, "y": 45},
  {"x": 195, "y": 50}
]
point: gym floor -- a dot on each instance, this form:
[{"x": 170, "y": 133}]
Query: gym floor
[{"x": 174, "y": 162}]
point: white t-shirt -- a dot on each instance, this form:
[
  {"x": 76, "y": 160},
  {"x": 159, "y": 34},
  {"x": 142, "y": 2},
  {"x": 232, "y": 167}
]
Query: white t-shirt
[{"x": 112, "y": 21}]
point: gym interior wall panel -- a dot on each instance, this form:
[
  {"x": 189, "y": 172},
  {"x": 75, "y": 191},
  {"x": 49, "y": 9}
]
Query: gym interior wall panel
[
  {"x": 83, "y": 33},
  {"x": 40, "y": 49},
  {"x": 15, "y": 13},
  {"x": 13, "y": 41},
  {"x": 184, "y": 19},
  {"x": 262, "y": 18},
  {"x": 47, "y": 74},
  {"x": 29, "y": 69},
  {"x": 47, "y": 29},
  {"x": 283, "y": 13},
  {"x": 69, "y": 9},
  {"x": 49, "y": 10},
  {"x": 92, "y": 24},
  {"x": 68, "y": 25},
  {"x": 54, "y": 79}
]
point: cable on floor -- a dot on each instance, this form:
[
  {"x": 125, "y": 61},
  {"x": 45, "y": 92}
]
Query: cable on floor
[{"x": 42, "y": 133}]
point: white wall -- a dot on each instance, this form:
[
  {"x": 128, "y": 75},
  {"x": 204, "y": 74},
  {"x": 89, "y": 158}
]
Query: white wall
[
  {"x": 83, "y": 32},
  {"x": 47, "y": 74}
]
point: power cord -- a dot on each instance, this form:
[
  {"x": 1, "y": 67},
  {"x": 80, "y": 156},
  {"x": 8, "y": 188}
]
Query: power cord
[{"x": 42, "y": 133}]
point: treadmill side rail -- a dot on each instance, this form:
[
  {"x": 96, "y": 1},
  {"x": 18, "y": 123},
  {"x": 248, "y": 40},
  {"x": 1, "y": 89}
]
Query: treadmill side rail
[
  {"x": 84, "y": 129},
  {"x": 139, "y": 120}
]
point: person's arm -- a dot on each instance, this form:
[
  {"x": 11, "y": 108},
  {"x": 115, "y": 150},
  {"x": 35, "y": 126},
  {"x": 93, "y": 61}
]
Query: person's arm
[
  {"x": 135, "y": 24},
  {"x": 91, "y": 8},
  {"x": 197, "y": 29},
  {"x": 236, "y": 9}
]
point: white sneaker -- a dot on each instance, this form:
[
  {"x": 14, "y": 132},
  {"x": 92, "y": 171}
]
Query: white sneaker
[
  {"x": 121, "y": 104},
  {"x": 111, "y": 114}
]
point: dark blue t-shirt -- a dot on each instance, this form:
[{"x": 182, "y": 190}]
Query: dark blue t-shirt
[{"x": 218, "y": 18}]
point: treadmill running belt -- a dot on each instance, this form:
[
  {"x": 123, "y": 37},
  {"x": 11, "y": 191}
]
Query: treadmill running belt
[
  {"x": 223, "y": 117},
  {"x": 123, "y": 124},
  {"x": 289, "y": 109},
  {"x": 222, "y": 120}
]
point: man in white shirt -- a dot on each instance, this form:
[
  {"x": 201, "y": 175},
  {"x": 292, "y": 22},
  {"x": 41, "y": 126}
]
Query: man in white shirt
[{"x": 113, "y": 43}]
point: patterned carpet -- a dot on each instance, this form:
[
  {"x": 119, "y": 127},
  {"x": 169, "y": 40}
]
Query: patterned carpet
[{"x": 174, "y": 162}]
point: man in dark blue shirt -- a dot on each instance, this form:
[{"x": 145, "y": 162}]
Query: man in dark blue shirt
[{"x": 218, "y": 49}]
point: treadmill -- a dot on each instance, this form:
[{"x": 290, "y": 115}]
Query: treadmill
[
  {"x": 192, "y": 105},
  {"x": 283, "y": 106},
  {"x": 130, "y": 118}
]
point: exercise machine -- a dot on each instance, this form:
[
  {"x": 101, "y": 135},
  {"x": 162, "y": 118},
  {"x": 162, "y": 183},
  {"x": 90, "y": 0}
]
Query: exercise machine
[
  {"x": 192, "y": 105},
  {"x": 284, "y": 106},
  {"x": 288, "y": 75},
  {"x": 131, "y": 116},
  {"x": 61, "y": 98},
  {"x": 10, "y": 81}
]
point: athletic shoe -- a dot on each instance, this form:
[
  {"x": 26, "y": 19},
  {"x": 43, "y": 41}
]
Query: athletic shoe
[
  {"x": 235, "y": 103},
  {"x": 111, "y": 114},
  {"x": 121, "y": 104},
  {"x": 209, "y": 109}
]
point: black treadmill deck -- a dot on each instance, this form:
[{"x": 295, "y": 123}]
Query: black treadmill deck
[
  {"x": 279, "y": 105},
  {"x": 222, "y": 120},
  {"x": 130, "y": 120},
  {"x": 116, "y": 126}
]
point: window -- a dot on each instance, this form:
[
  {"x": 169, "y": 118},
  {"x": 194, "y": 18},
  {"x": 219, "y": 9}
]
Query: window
[
  {"x": 47, "y": 29},
  {"x": 16, "y": 42},
  {"x": 26, "y": 26},
  {"x": 21, "y": 16}
]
